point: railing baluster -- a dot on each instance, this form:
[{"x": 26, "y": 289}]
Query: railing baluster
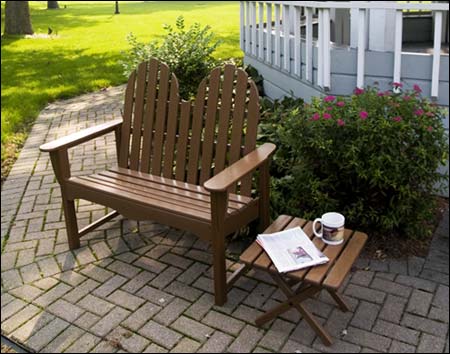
[
  {"x": 242, "y": 23},
  {"x": 269, "y": 33},
  {"x": 287, "y": 37},
  {"x": 326, "y": 49},
  {"x": 261, "y": 31},
  {"x": 320, "y": 49},
  {"x": 309, "y": 45},
  {"x": 436, "y": 54},
  {"x": 247, "y": 28},
  {"x": 277, "y": 35},
  {"x": 266, "y": 45},
  {"x": 361, "y": 48},
  {"x": 253, "y": 20},
  {"x": 398, "y": 45},
  {"x": 298, "y": 42}
]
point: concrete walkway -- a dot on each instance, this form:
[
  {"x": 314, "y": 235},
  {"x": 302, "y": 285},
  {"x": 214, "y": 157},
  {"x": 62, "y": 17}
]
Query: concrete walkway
[{"x": 148, "y": 288}]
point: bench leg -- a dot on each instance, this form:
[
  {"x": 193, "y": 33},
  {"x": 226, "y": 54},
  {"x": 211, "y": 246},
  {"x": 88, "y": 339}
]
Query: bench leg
[
  {"x": 219, "y": 202},
  {"x": 220, "y": 272},
  {"x": 264, "y": 198},
  {"x": 70, "y": 217}
]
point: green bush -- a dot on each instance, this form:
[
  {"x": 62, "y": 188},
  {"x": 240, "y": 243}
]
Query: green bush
[
  {"x": 373, "y": 156},
  {"x": 188, "y": 53}
]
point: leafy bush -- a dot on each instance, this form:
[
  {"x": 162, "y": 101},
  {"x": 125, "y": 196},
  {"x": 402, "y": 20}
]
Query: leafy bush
[
  {"x": 373, "y": 156},
  {"x": 188, "y": 53},
  {"x": 274, "y": 114}
]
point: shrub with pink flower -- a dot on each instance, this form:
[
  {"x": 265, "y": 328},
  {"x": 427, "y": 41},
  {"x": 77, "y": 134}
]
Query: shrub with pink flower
[
  {"x": 358, "y": 91},
  {"x": 374, "y": 159},
  {"x": 316, "y": 116},
  {"x": 363, "y": 115},
  {"x": 329, "y": 99},
  {"x": 417, "y": 88}
]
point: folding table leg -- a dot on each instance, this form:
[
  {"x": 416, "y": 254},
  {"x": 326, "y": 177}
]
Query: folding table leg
[
  {"x": 339, "y": 300},
  {"x": 294, "y": 300},
  {"x": 316, "y": 326}
]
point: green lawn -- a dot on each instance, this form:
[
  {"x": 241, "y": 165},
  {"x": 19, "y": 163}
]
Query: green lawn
[{"x": 83, "y": 55}]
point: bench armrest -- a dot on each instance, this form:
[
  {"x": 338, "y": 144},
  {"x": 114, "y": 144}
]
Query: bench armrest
[
  {"x": 234, "y": 173},
  {"x": 81, "y": 136}
]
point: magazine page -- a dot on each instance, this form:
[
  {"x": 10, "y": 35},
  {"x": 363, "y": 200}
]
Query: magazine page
[{"x": 291, "y": 250}]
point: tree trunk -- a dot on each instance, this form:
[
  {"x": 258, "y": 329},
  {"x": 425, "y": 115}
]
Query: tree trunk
[
  {"x": 117, "y": 8},
  {"x": 52, "y": 5},
  {"x": 17, "y": 18}
]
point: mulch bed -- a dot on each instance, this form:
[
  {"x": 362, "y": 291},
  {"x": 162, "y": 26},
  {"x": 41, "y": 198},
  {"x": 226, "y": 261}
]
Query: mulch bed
[{"x": 394, "y": 246}]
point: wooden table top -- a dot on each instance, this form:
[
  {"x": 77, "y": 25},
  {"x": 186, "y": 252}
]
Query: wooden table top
[{"x": 329, "y": 275}]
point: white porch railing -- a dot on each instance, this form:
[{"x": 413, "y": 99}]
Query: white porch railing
[{"x": 266, "y": 24}]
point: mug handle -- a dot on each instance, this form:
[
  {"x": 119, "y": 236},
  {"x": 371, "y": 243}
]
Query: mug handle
[{"x": 314, "y": 228}]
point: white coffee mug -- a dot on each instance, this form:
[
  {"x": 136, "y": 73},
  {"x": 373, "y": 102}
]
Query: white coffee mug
[{"x": 332, "y": 228}]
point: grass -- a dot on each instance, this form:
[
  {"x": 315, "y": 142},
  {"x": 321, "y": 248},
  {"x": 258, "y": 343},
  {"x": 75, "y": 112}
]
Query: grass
[{"x": 82, "y": 53}]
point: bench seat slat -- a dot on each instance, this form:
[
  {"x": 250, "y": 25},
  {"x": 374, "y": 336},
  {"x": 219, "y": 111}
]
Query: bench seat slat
[
  {"x": 179, "y": 198},
  {"x": 171, "y": 192},
  {"x": 177, "y": 184},
  {"x": 150, "y": 192}
]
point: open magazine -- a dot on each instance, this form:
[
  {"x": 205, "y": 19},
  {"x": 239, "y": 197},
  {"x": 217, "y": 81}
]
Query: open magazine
[{"x": 291, "y": 250}]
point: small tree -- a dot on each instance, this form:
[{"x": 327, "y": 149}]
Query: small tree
[
  {"x": 17, "y": 18},
  {"x": 188, "y": 53},
  {"x": 52, "y": 5}
]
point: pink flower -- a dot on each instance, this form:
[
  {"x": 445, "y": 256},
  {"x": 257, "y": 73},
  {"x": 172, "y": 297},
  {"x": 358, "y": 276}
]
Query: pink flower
[
  {"x": 329, "y": 109},
  {"x": 397, "y": 84},
  {"x": 363, "y": 115},
  {"x": 340, "y": 104},
  {"x": 340, "y": 122},
  {"x": 326, "y": 116},
  {"x": 407, "y": 98},
  {"x": 329, "y": 98},
  {"x": 380, "y": 94},
  {"x": 397, "y": 119},
  {"x": 358, "y": 91},
  {"x": 316, "y": 116},
  {"x": 430, "y": 114},
  {"x": 430, "y": 128},
  {"x": 417, "y": 88},
  {"x": 419, "y": 112}
]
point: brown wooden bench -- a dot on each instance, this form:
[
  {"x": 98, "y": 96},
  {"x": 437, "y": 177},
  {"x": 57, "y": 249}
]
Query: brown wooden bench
[
  {"x": 189, "y": 165},
  {"x": 303, "y": 284}
]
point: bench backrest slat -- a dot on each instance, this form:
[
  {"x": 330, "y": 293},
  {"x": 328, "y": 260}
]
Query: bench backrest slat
[{"x": 188, "y": 141}]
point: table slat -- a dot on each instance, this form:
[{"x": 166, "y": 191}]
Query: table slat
[
  {"x": 263, "y": 261},
  {"x": 318, "y": 273},
  {"x": 254, "y": 251},
  {"x": 345, "y": 261}
]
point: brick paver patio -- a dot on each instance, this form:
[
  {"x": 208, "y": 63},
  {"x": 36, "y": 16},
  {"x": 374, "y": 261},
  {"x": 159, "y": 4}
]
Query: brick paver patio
[{"x": 147, "y": 288}]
